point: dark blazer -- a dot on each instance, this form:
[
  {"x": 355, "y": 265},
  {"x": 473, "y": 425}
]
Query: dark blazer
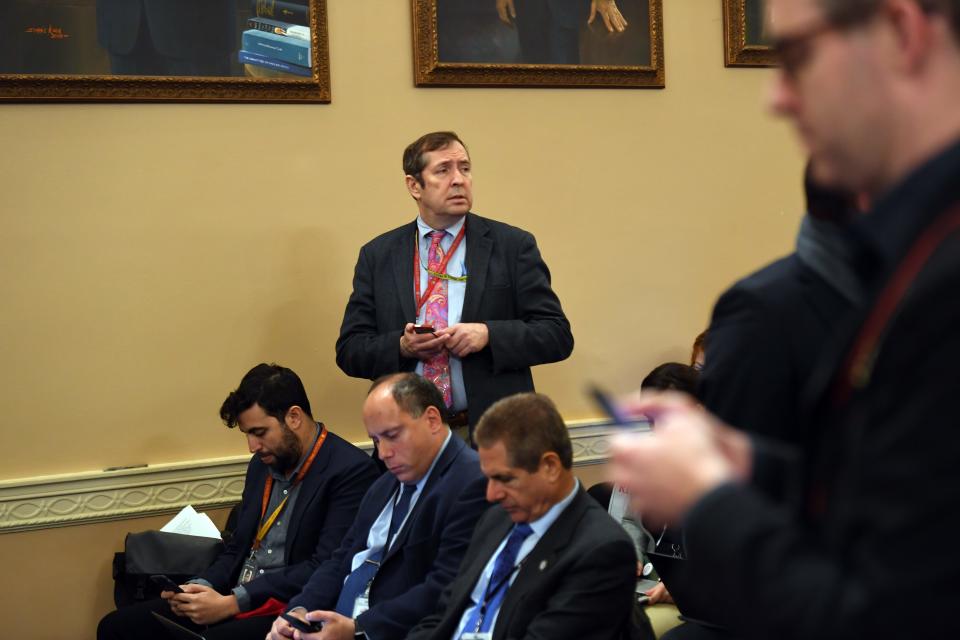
[
  {"x": 425, "y": 555},
  {"x": 508, "y": 289},
  {"x": 882, "y": 502},
  {"x": 326, "y": 504},
  {"x": 578, "y": 581},
  {"x": 178, "y": 28},
  {"x": 763, "y": 343}
]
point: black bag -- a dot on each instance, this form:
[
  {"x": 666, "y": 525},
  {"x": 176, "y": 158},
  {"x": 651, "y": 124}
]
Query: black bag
[{"x": 153, "y": 552}]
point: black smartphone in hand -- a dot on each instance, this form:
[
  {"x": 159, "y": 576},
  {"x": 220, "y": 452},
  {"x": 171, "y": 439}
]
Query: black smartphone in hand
[
  {"x": 304, "y": 627},
  {"x": 420, "y": 328},
  {"x": 165, "y": 583}
]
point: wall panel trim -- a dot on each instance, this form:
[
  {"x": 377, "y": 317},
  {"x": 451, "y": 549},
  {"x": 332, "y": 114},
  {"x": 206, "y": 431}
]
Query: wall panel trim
[{"x": 97, "y": 496}]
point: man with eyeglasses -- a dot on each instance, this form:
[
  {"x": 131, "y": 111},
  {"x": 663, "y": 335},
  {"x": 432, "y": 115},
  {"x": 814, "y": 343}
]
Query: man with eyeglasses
[
  {"x": 463, "y": 300},
  {"x": 873, "y": 87}
]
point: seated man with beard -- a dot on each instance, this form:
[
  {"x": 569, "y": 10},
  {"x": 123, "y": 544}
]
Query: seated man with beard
[{"x": 311, "y": 482}]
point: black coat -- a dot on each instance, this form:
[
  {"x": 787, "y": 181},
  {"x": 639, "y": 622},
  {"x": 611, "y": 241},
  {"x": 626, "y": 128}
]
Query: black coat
[
  {"x": 578, "y": 581},
  {"x": 872, "y": 553}
]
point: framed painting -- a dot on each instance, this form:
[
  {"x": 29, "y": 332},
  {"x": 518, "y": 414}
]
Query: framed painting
[
  {"x": 538, "y": 43},
  {"x": 164, "y": 51},
  {"x": 745, "y": 42}
]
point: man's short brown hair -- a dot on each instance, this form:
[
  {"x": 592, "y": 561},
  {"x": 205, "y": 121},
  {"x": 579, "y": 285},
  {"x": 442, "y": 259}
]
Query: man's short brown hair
[
  {"x": 850, "y": 12},
  {"x": 528, "y": 425},
  {"x": 413, "y": 160}
]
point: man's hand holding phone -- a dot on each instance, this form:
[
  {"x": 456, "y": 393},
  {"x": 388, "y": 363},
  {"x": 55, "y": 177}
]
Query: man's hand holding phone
[{"x": 421, "y": 342}]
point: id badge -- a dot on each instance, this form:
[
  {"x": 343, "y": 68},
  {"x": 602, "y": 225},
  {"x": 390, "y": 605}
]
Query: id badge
[
  {"x": 487, "y": 635},
  {"x": 247, "y": 572},
  {"x": 360, "y": 605}
]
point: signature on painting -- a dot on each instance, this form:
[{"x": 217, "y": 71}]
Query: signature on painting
[{"x": 55, "y": 33}]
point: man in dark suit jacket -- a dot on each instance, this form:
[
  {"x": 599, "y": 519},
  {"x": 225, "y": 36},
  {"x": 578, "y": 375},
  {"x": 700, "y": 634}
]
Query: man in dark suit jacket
[
  {"x": 548, "y": 561},
  {"x": 323, "y": 476},
  {"x": 412, "y": 527},
  {"x": 168, "y": 37},
  {"x": 503, "y": 316},
  {"x": 881, "y": 470}
]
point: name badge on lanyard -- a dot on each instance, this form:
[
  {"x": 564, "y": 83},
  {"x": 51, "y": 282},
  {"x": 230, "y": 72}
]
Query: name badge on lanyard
[
  {"x": 248, "y": 571},
  {"x": 362, "y": 603},
  {"x": 486, "y": 635}
]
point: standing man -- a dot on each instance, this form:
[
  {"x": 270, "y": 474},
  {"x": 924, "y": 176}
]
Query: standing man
[
  {"x": 462, "y": 300},
  {"x": 411, "y": 530},
  {"x": 302, "y": 490},
  {"x": 548, "y": 561},
  {"x": 873, "y": 87}
]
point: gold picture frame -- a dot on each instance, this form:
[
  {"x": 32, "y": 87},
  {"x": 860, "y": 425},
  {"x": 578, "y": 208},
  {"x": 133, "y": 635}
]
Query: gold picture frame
[
  {"x": 263, "y": 87},
  {"x": 742, "y": 46},
  {"x": 431, "y": 70}
]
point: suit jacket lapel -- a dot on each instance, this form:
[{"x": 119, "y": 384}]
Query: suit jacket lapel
[
  {"x": 402, "y": 257},
  {"x": 467, "y": 580},
  {"x": 479, "y": 248},
  {"x": 446, "y": 458},
  {"x": 542, "y": 557},
  {"x": 311, "y": 482}
]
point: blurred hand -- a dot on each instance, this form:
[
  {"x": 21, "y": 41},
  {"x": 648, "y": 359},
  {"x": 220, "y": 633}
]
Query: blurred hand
[{"x": 687, "y": 454}]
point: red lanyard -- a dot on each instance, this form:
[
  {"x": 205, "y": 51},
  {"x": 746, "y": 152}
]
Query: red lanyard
[
  {"x": 265, "y": 526},
  {"x": 859, "y": 362},
  {"x": 432, "y": 281}
]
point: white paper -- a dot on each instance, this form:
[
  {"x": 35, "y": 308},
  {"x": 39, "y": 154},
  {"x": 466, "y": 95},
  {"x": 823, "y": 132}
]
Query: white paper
[{"x": 191, "y": 523}]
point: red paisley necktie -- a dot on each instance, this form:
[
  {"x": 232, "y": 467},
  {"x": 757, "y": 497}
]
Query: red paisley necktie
[{"x": 437, "y": 368}]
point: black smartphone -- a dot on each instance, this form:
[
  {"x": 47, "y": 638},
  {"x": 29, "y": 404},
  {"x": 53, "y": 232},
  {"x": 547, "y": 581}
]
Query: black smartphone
[
  {"x": 605, "y": 402},
  {"x": 165, "y": 583},
  {"x": 304, "y": 627},
  {"x": 422, "y": 328}
]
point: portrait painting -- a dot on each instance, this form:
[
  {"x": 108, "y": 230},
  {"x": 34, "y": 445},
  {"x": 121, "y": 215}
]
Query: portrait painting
[
  {"x": 156, "y": 49},
  {"x": 745, "y": 39},
  {"x": 572, "y": 43}
]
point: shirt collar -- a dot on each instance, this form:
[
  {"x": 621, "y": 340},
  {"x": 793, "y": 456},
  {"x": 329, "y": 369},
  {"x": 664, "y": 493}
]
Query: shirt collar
[
  {"x": 453, "y": 229},
  {"x": 543, "y": 523},
  {"x": 898, "y": 217}
]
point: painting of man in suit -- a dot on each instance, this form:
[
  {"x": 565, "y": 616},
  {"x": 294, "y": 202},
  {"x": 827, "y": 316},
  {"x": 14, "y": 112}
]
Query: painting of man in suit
[
  {"x": 168, "y": 37},
  {"x": 565, "y": 32}
]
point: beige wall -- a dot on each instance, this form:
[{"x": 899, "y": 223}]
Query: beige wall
[{"x": 150, "y": 254}]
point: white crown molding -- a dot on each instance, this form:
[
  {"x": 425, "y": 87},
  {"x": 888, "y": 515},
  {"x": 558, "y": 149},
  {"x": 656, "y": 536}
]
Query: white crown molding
[{"x": 97, "y": 496}]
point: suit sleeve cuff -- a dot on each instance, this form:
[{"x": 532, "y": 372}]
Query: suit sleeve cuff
[{"x": 243, "y": 598}]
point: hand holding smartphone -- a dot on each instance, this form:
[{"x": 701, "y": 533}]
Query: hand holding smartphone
[
  {"x": 304, "y": 627},
  {"x": 422, "y": 328},
  {"x": 165, "y": 583}
]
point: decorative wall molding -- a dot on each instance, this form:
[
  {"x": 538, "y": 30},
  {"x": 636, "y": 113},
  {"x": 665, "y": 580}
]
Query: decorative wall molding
[{"x": 99, "y": 496}]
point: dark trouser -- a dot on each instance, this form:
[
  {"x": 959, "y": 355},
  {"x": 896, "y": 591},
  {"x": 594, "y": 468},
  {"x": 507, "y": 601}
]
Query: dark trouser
[
  {"x": 544, "y": 39},
  {"x": 136, "y": 623},
  {"x": 145, "y": 60},
  {"x": 694, "y": 631}
]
